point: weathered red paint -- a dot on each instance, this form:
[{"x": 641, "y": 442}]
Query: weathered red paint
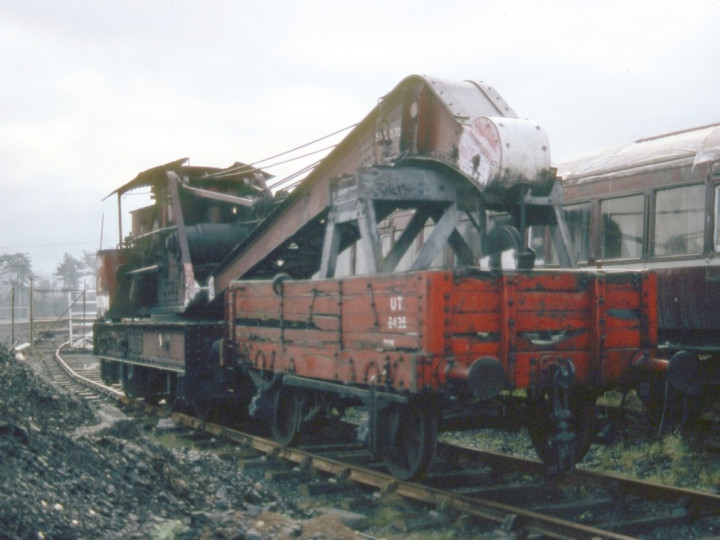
[
  {"x": 414, "y": 331},
  {"x": 109, "y": 260}
]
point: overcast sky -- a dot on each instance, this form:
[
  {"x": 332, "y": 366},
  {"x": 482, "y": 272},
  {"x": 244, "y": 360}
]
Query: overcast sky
[{"x": 93, "y": 92}]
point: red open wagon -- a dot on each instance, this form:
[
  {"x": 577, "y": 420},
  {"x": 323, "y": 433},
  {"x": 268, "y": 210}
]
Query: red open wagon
[{"x": 404, "y": 344}]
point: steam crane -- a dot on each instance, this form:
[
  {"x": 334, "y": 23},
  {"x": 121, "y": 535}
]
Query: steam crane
[
  {"x": 224, "y": 294},
  {"x": 441, "y": 149}
]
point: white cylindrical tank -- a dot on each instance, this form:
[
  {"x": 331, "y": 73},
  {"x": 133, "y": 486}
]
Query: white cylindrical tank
[{"x": 500, "y": 153}]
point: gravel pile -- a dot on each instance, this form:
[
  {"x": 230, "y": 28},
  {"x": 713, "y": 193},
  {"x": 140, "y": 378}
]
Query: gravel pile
[{"x": 68, "y": 471}]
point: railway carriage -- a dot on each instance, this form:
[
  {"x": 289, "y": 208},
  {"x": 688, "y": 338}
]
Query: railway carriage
[{"x": 655, "y": 205}]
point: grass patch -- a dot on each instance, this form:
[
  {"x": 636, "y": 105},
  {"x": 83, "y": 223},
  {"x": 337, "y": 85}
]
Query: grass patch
[{"x": 668, "y": 461}]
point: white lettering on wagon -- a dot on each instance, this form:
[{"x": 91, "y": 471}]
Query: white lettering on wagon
[{"x": 396, "y": 322}]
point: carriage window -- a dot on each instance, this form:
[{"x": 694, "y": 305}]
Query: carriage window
[
  {"x": 716, "y": 236},
  {"x": 679, "y": 216},
  {"x": 385, "y": 244},
  {"x": 577, "y": 217},
  {"x": 622, "y": 227},
  {"x": 540, "y": 244}
]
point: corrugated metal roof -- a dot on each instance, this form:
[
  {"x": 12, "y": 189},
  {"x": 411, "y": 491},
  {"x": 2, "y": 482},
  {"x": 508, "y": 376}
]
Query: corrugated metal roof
[{"x": 157, "y": 174}]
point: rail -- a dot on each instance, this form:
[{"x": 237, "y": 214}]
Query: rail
[
  {"x": 84, "y": 380},
  {"x": 497, "y": 512}
]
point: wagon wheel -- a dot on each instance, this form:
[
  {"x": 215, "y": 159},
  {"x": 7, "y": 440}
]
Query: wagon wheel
[
  {"x": 287, "y": 415},
  {"x": 203, "y": 394},
  {"x": 172, "y": 402},
  {"x": 132, "y": 382},
  {"x": 153, "y": 387},
  {"x": 541, "y": 424},
  {"x": 633, "y": 418},
  {"x": 411, "y": 432},
  {"x": 150, "y": 395},
  {"x": 203, "y": 407}
]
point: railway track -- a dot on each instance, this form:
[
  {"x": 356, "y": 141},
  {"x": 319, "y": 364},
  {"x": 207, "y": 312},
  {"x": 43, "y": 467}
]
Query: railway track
[
  {"x": 81, "y": 376},
  {"x": 475, "y": 493}
]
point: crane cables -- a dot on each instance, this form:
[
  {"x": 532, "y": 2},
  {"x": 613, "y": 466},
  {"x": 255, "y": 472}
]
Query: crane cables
[{"x": 290, "y": 181}]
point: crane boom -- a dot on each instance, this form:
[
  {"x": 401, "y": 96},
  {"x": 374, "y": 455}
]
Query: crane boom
[{"x": 461, "y": 129}]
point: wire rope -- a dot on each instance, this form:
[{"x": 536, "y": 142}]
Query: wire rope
[{"x": 249, "y": 167}]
